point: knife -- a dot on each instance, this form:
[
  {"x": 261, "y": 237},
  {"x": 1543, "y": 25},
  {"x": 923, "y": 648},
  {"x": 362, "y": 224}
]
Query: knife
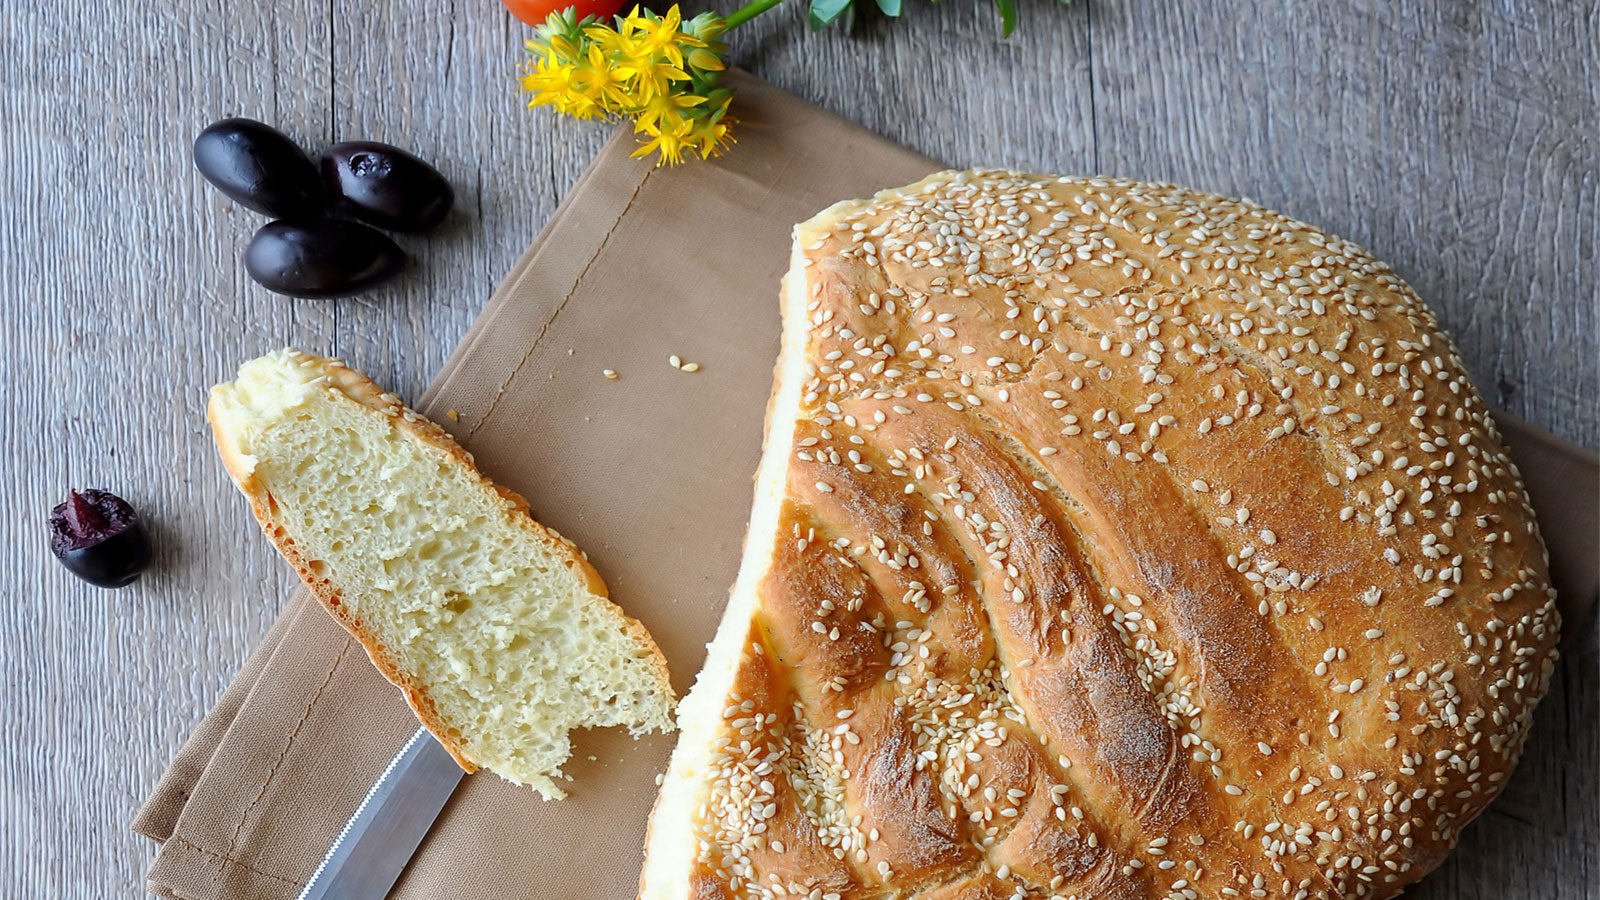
[{"x": 367, "y": 857}]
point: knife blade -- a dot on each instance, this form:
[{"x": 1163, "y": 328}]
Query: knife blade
[{"x": 369, "y": 854}]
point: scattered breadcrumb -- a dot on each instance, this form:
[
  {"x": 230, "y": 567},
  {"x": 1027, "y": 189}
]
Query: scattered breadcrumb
[{"x": 454, "y": 416}]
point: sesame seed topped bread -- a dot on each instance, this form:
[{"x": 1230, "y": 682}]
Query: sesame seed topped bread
[
  {"x": 497, "y": 629},
  {"x": 1111, "y": 540}
]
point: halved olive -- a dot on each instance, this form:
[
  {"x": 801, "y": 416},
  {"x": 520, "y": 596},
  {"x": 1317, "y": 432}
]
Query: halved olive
[
  {"x": 386, "y": 186},
  {"x": 99, "y": 538},
  {"x": 321, "y": 257},
  {"x": 259, "y": 167}
]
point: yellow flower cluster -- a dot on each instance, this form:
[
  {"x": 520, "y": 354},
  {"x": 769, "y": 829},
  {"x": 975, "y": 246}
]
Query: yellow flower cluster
[{"x": 657, "y": 70}]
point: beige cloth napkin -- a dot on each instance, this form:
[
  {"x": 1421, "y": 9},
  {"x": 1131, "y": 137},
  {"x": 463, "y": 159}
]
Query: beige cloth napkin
[{"x": 650, "y": 473}]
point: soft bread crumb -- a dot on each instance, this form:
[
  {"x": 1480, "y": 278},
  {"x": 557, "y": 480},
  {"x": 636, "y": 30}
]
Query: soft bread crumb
[{"x": 497, "y": 629}]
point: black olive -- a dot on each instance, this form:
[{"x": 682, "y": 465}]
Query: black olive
[
  {"x": 97, "y": 535},
  {"x": 386, "y": 186},
  {"x": 321, "y": 257},
  {"x": 258, "y": 167}
]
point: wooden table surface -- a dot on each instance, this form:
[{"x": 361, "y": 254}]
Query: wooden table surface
[{"x": 1455, "y": 140}]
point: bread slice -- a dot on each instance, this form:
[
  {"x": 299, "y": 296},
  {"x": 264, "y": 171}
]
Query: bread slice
[{"x": 497, "y": 629}]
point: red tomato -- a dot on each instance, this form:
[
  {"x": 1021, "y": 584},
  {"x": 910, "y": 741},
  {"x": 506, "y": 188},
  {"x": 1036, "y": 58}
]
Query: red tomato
[{"x": 534, "y": 12}]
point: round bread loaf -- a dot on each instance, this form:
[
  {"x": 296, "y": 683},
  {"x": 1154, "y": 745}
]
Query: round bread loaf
[{"x": 1111, "y": 540}]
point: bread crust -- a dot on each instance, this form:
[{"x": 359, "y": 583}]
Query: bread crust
[
  {"x": 358, "y": 387},
  {"x": 1133, "y": 542}
]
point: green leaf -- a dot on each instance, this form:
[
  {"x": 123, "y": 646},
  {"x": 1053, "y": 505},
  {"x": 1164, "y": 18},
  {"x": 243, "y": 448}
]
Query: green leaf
[
  {"x": 825, "y": 12},
  {"x": 890, "y": 8},
  {"x": 1008, "y": 15}
]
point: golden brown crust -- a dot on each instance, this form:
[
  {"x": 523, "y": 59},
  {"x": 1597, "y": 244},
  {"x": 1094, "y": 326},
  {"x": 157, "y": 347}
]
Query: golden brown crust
[
  {"x": 1135, "y": 543},
  {"x": 358, "y": 387}
]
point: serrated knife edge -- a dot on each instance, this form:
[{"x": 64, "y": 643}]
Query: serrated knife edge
[{"x": 367, "y": 873}]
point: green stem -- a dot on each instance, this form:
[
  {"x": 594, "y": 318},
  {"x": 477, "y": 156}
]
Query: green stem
[{"x": 747, "y": 12}]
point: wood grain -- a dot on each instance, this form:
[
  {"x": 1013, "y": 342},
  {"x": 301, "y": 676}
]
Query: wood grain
[{"x": 1454, "y": 140}]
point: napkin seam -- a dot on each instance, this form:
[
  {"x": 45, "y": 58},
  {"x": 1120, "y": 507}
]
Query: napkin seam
[
  {"x": 225, "y": 858},
  {"x": 572, "y": 291},
  {"x": 272, "y": 773}
]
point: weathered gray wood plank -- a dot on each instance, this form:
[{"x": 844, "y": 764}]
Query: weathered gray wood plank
[
  {"x": 123, "y": 294},
  {"x": 1451, "y": 139}
]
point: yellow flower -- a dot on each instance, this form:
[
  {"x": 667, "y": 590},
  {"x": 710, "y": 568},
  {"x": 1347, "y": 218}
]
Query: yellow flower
[
  {"x": 555, "y": 84},
  {"x": 652, "y": 78},
  {"x": 670, "y": 146},
  {"x": 662, "y": 110},
  {"x": 709, "y": 136},
  {"x": 657, "y": 70},
  {"x": 603, "y": 83},
  {"x": 615, "y": 43},
  {"x": 661, "y": 37}
]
